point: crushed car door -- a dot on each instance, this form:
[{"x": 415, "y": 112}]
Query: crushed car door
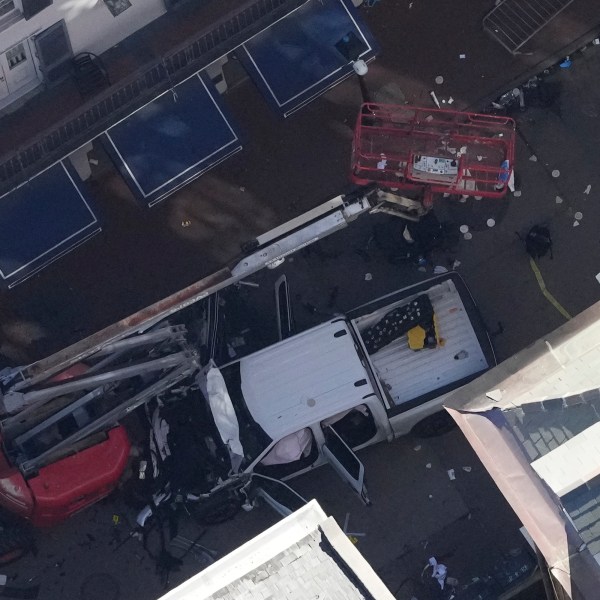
[
  {"x": 345, "y": 462},
  {"x": 278, "y": 495}
]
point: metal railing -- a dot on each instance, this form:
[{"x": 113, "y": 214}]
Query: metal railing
[
  {"x": 145, "y": 84},
  {"x": 514, "y": 22}
]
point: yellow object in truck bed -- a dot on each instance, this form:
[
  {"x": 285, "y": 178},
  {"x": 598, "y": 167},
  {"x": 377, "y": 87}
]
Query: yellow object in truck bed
[{"x": 419, "y": 338}]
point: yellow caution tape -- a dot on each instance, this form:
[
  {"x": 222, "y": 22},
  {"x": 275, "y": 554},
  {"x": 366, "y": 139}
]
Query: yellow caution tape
[{"x": 545, "y": 291}]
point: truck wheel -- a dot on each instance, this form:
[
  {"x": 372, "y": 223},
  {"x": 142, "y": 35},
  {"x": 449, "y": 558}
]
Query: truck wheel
[
  {"x": 436, "y": 424},
  {"x": 15, "y": 541},
  {"x": 216, "y": 510}
]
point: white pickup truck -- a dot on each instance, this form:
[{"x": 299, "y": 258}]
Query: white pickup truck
[
  {"x": 378, "y": 372},
  {"x": 318, "y": 396}
]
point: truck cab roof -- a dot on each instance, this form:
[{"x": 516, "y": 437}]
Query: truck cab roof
[{"x": 304, "y": 379}]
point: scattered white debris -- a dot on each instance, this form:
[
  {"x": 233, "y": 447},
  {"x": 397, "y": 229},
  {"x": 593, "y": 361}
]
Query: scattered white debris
[
  {"x": 478, "y": 197},
  {"x": 464, "y": 228},
  {"x": 578, "y": 216},
  {"x": 439, "y": 80},
  {"x": 490, "y": 222},
  {"x": 451, "y": 474},
  {"x": 575, "y": 223},
  {"x": 451, "y": 100},
  {"x": 533, "y": 158},
  {"x": 429, "y": 118},
  {"x": 467, "y": 469},
  {"x": 479, "y": 158},
  {"x": 428, "y": 466},
  {"x": 468, "y": 235},
  {"x": 463, "y": 149},
  {"x": 382, "y": 164},
  {"x": 431, "y": 496},
  {"x": 517, "y": 193},
  {"x": 559, "y": 200},
  {"x": 598, "y": 278},
  {"x": 438, "y": 270},
  {"x": 186, "y": 223},
  {"x": 434, "y": 98},
  {"x": 462, "y": 56},
  {"x": 511, "y": 181},
  {"x": 455, "y": 264},
  {"x": 417, "y": 448},
  {"x": 368, "y": 276},
  {"x": 587, "y": 190},
  {"x": 556, "y": 173},
  {"x": 463, "y": 199},
  {"x": 440, "y": 571}
]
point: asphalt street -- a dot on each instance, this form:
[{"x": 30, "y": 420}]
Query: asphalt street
[{"x": 465, "y": 521}]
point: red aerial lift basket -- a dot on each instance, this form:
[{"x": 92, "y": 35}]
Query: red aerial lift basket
[{"x": 432, "y": 150}]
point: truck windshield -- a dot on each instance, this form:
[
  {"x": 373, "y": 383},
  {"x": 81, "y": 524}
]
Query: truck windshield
[{"x": 252, "y": 435}]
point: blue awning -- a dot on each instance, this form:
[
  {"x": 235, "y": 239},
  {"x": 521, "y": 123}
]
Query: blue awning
[
  {"x": 173, "y": 139},
  {"x": 42, "y": 220},
  {"x": 307, "y": 52}
]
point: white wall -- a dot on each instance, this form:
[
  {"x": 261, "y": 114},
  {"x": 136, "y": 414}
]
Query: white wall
[{"x": 90, "y": 24}]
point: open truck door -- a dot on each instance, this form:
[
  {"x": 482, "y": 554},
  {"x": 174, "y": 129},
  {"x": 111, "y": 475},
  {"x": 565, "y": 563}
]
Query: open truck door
[
  {"x": 278, "y": 495},
  {"x": 345, "y": 463}
]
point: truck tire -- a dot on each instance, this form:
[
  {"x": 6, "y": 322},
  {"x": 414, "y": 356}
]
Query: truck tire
[
  {"x": 16, "y": 540},
  {"x": 437, "y": 424},
  {"x": 216, "y": 510}
]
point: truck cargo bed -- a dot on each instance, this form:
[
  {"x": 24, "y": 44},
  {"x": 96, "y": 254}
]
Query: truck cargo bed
[{"x": 406, "y": 374}]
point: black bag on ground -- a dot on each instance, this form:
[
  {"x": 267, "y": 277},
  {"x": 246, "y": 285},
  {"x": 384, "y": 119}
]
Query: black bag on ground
[{"x": 538, "y": 242}]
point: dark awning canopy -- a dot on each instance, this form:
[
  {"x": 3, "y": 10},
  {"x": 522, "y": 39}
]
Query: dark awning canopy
[
  {"x": 307, "y": 52},
  {"x": 173, "y": 139},
  {"x": 42, "y": 220}
]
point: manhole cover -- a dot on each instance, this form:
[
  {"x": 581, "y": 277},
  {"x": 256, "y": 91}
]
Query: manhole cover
[{"x": 100, "y": 586}]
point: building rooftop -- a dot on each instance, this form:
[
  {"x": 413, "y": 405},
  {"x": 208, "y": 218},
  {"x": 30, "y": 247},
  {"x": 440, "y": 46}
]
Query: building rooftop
[
  {"x": 535, "y": 422},
  {"x": 304, "y": 556}
]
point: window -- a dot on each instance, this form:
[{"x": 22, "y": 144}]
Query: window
[
  {"x": 356, "y": 426},
  {"x": 6, "y": 6},
  {"x": 15, "y": 56},
  {"x": 33, "y": 7}
]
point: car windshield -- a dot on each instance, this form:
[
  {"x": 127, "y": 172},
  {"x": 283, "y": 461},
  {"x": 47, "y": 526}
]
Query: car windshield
[{"x": 252, "y": 436}]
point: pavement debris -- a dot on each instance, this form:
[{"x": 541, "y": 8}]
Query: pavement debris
[
  {"x": 578, "y": 216},
  {"x": 533, "y": 158},
  {"x": 428, "y": 466},
  {"x": 587, "y": 190},
  {"x": 517, "y": 193},
  {"x": 368, "y": 277},
  {"x": 467, "y": 469},
  {"x": 490, "y": 222},
  {"x": 556, "y": 173},
  {"x": 451, "y": 474},
  {"x": 468, "y": 235},
  {"x": 417, "y": 448},
  {"x": 464, "y": 228},
  {"x": 559, "y": 200},
  {"x": 435, "y": 99},
  {"x": 575, "y": 223},
  {"x": 439, "y": 80}
]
